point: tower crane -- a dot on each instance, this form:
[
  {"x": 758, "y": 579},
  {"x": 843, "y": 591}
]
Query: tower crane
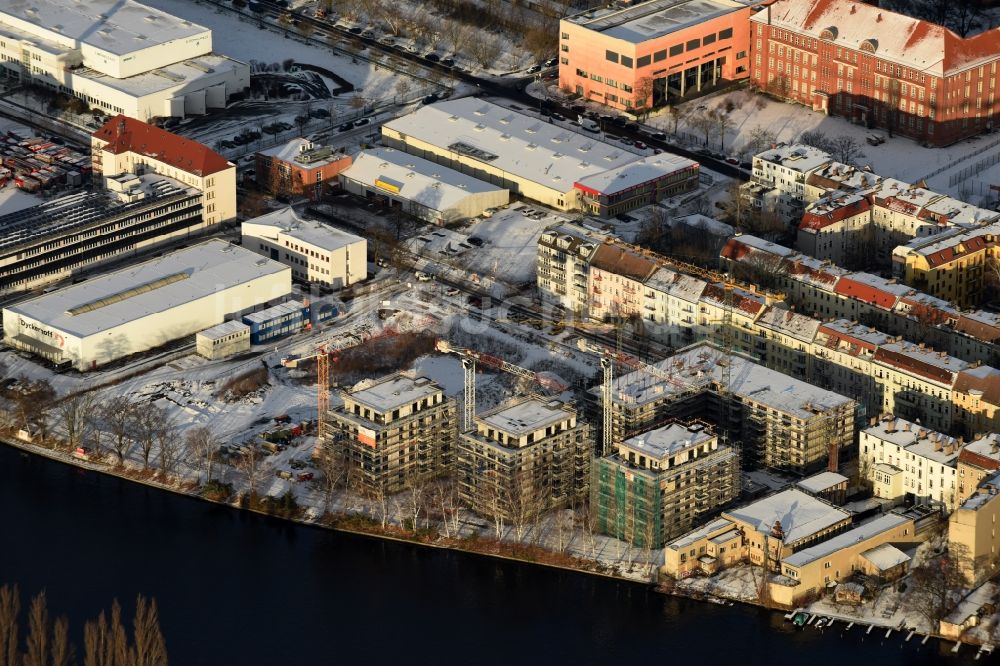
[{"x": 471, "y": 357}]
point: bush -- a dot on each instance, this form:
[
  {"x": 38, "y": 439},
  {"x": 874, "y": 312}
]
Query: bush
[
  {"x": 243, "y": 385},
  {"x": 217, "y": 491}
]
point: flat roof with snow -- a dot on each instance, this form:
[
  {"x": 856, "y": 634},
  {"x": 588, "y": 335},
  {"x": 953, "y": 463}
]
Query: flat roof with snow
[
  {"x": 154, "y": 286},
  {"x": 115, "y": 26},
  {"x": 797, "y": 157},
  {"x": 526, "y": 416},
  {"x": 653, "y": 19},
  {"x": 885, "y": 557},
  {"x": 384, "y": 395},
  {"x": 699, "y": 366},
  {"x": 846, "y": 539},
  {"x": 220, "y": 331},
  {"x": 288, "y": 222},
  {"x": 636, "y": 173},
  {"x": 685, "y": 541},
  {"x": 427, "y": 183},
  {"x": 801, "y": 515},
  {"x": 818, "y": 483},
  {"x": 667, "y": 441},
  {"x": 521, "y": 145}
]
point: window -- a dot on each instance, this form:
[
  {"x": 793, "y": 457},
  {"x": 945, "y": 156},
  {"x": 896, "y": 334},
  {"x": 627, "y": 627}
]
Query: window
[
  {"x": 565, "y": 35},
  {"x": 643, "y": 61},
  {"x": 676, "y": 50},
  {"x": 564, "y": 48},
  {"x": 627, "y": 62},
  {"x": 611, "y": 55},
  {"x": 708, "y": 39},
  {"x": 580, "y": 72},
  {"x": 564, "y": 61},
  {"x": 740, "y": 55},
  {"x": 726, "y": 34},
  {"x": 692, "y": 44},
  {"x": 660, "y": 55}
]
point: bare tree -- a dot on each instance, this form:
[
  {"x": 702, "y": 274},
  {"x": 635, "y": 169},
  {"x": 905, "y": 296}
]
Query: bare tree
[
  {"x": 39, "y": 629},
  {"x": 415, "y": 502},
  {"x": 333, "y": 468},
  {"x": 118, "y": 416},
  {"x": 702, "y": 121},
  {"x": 168, "y": 446},
  {"x": 106, "y": 641},
  {"x": 380, "y": 501},
  {"x": 524, "y": 502},
  {"x": 203, "y": 445},
  {"x": 722, "y": 122},
  {"x": 937, "y": 585},
  {"x": 764, "y": 270},
  {"x": 249, "y": 462},
  {"x": 846, "y": 149},
  {"x": 74, "y": 414},
  {"x": 644, "y": 95},
  {"x": 445, "y": 502},
  {"x": 10, "y": 609},
  {"x": 150, "y": 648},
  {"x": 146, "y": 424},
  {"x": 485, "y": 49},
  {"x": 403, "y": 87},
  {"x": 305, "y": 29},
  {"x": 816, "y": 139},
  {"x": 33, "y": 400}
]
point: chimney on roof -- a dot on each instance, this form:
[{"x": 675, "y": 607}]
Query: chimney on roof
[
  {"x": 906, "y": 426},
  {"x": 878, "y": 19},
  {"x": 949, "y": 449},
  {"x": 873, "y": 420},
  {"x": 994, "y": 447},
  {"x": 937, "y": 444}
]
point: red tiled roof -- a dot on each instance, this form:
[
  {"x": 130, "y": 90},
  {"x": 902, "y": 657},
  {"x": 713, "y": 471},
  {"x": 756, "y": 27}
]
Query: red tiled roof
[
  {"x": 989, "y": 385},
  {"x": 717, "y": 293},
  {"x": 863, "y": 292},
  {"x": 124, "y": 134},
  {"x": 621, "y": 261},
  {"x": 951, "y": 253},
  {"x": 914, "y": 365},
  {"x": 978, "y": 460},
  {"x": 734, "y": 250},
  {"x": 977, "y": 329},
  {"x": 815, "y": 222}
]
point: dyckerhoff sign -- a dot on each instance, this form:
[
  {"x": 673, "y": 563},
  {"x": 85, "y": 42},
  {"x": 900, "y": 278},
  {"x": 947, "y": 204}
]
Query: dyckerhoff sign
[{"x": 56, "y": 338}]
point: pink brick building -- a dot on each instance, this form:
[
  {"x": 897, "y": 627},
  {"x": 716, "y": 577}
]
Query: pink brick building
[{"x": 647, "y": 55}]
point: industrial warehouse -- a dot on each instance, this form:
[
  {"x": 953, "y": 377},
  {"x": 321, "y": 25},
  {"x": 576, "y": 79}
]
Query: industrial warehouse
[
  {"x": 119, "y": 56},
  {"x": 93, "y": 323},
  {"x": 422, "y": 188},
  {"x": 555, "y": 166}
]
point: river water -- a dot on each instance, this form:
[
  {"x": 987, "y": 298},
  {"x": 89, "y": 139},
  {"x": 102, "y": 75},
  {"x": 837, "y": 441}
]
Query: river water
[{"x": 239, "y": 589}]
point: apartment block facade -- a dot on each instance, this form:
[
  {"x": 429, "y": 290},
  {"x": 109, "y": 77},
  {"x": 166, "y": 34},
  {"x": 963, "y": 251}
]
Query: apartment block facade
[
  {"x": 395, "y": 431},
  {"x": 661, "y": 483},
  {"x": 523, "y": 459}
]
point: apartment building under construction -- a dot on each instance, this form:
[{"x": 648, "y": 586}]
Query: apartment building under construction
[
  {"x": 396, "y": 431},
  {"x": 524, "y": 458},
  {"x": 661, "y": 483},
  {"x": 779, "y": 421}
]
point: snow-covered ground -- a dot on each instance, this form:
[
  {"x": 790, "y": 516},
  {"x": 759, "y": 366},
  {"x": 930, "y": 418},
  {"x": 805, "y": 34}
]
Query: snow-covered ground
[
  {"x": 12, "y": 199},
  {"x": 898, "y": 157}
]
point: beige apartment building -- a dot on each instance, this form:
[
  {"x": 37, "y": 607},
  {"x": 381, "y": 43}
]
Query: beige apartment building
[
  {"x": 396, "y": 431},
  {"x": 523, "y": 459},
  {"x": 972, "y": 531},
  {"x": 563, "y": 268},
  {"x": 661, "y": 483},
  {"x": 977, "y": 461},
  {"x": 903, "y": 458}
]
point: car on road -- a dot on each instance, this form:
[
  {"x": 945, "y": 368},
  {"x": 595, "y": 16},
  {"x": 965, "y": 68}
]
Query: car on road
[
  {"x": 362, "y": 121},
  {"x": 345, "y": 127},
  {"x": 368, "y": 32},
  {"x": 430, "y": 99},
  {"x": 448, "y": 62},
  {"x": 475, "y": 240},
  {"x": 619, "y": 121},
  {"x": 558, "y": 116},
  {"x": 632, "y": 127},
  {"x": 422, "y": 277},
  {"x": 533, "y": 69},
  {"x": 489, "y": 212},
  {"x": 386, "y": 40},
  {"x": 356, "y": 30},
  {"x": 732, "y": 160},
  {"x": 640, "y": 145},
  {"x": 658, "y": 136},
  {"x": 625, "y": 139},
  {"x": 433, "y": 57},
  {"x": 451, "y": 291},
  {"x": 551, "y": 62}
]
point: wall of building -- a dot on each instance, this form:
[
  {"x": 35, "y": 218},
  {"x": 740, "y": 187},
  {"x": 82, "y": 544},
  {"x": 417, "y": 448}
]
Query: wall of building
[
  {"x": 585, "y": 67},
  {"x": 972, "y": 533}
]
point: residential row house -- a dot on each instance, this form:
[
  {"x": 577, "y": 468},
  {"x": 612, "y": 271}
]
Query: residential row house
[{"x": 903, "y": 459}]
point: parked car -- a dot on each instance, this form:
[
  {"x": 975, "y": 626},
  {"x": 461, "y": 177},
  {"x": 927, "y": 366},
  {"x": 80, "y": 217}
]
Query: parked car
[
  {"x": 558, "y": 116},
  {"x": 551, "y": 62},
  {"x": 451, "y": 291},
  {"x": 422, "y": 277},
  {"x": 362, "y": 121},
  {"x": 368, "y": 32},
  {"x": 533, "y": 69},
  {"x": 659, "y": 136},
  {"x": 619, "y": 121},
  {"x": 732, "y": 160},
  {"x": 283, "y": 474},
  {"x": 433, "y": 57},
  {"x": 875, "y": 139},
  {"x": 640, "y": 145},
  {"x": 430, "y": 99},
  {"x": 356, "y": 30},
  {"x": 345, "y": 127},
  {"x": 475, "y": 240},
  {"x": 448, "y": 62},
  {"x": 632, "y": 127},
  {"x": 304, "y": 476},
  {"x": 489, "y": 212}
]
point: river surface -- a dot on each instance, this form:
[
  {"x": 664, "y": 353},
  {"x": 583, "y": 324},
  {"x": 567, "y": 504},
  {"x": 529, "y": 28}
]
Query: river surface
[{"x": 240, "y": 589}]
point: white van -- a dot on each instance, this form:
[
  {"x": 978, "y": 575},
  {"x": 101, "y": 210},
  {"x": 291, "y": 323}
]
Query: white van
[{"x": 589, "y": 124}]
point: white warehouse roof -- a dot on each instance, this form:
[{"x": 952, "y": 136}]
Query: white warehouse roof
[
  {"x": 115, "y": 26},
  {"x": 133, "y": 293},
  {"x": 427, "y": 183},
  {"x": 523, "y": 146},
  {"x": 801, "y": 516},
  {"x": 636, "y": 173}
]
